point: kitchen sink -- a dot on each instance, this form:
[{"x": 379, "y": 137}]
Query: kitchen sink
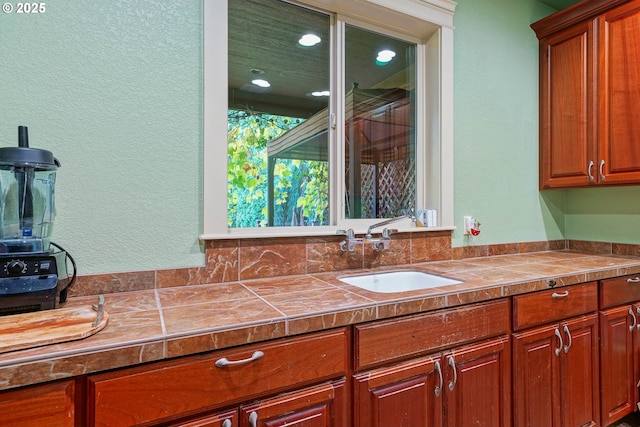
[{"x": 397, "y": 281}]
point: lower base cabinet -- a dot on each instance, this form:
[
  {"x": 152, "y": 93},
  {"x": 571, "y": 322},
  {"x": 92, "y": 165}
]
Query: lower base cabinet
[
  {"x": 320, "y": 406},
  {"x": 47, "y": 405},
  {"x": 556, "y": 373},
  {"x": 468, "y": 386}
]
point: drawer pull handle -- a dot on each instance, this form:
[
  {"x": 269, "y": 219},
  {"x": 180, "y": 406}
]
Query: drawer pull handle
[
  {"x": 634, "y": 280},
  {"x": 633, "y": 318},
  {"x": 439, "y": 371},
  {"x": 224, "y": 362},
  {"x": 227, "y": 423},
  {"x": 568, "y": 346},
  {"x": 589, "y": 171},
  {"x": 559, "y": 349},
  {"x": 638, "y": 324},
  {"x": 452, "y": 384},
  {"x": 602, "y": 176},
  {"x": 560, "y": 294},
  {"x": 253, "y": 419}
]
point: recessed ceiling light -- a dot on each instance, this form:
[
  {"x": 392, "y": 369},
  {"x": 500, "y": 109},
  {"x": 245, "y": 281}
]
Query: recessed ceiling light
[
  {"x": 257, "y": 71},
  {"x": 321, "y": 93},
  {"x": 261, "y": 83},
  {"x": 385, "y": 56},
  {"x": 309, "y": 40}
]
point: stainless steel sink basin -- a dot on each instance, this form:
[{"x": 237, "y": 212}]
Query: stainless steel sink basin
[{"x": 397, "y": 281}]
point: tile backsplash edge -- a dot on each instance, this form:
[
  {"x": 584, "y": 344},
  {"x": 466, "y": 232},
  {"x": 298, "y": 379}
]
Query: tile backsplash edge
[{"x": 234, "y": 260}]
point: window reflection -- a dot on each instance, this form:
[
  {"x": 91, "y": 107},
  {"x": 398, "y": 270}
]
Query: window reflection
[
  {"x": 380, "y": 119},
  {"x": 278, "y": 96}
]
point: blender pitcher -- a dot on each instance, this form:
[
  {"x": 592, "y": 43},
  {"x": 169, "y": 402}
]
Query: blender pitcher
[{"x": 27, "y": 180}]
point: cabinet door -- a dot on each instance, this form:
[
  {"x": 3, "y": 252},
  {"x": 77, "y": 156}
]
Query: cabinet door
[
  {"x": 536, "y": 365},
  {"x": 617, "y": 370},
  {"x": 567, "y": 135},
  {"x": 619, "y": 93},
  {"x": 579, "y": 369},
  {"x": 404, "y": 395},
  {"x": 320, "y": 406},
  {"x": 50, "y": 405},
  {"x": 222, "y": 419},
  {"x": 478, "y": 385}
]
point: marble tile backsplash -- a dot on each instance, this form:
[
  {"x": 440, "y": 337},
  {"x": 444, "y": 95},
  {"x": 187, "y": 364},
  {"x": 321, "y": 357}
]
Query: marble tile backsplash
[{"x": 245, "y": 259}]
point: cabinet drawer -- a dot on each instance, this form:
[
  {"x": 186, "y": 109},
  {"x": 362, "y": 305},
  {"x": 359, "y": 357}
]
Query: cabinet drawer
[
  {"x": 554, "y": 304},
  {"x": 192, "y": 384},
  {"x": 618, "y": 291},
  {"x": 397, "y": 339}
]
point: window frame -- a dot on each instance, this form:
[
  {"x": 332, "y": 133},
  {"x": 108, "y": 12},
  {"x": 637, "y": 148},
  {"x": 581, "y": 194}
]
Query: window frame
[{"x": 430, "y": 22}]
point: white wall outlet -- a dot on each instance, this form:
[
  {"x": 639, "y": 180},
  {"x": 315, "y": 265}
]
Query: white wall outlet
[{"x": 468, "y": 225}]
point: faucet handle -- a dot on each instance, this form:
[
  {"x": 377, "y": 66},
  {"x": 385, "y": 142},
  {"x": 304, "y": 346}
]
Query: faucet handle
[
  {"x": 386, "y": 233},
  {"x": 349, "y": 233}
]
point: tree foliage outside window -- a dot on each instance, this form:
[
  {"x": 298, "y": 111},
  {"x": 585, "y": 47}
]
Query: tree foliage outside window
[{"x": 300, "y": 186}]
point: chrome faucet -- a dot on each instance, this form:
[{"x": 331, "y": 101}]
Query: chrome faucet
[
  {"x": 348, "y": 244},
  {"x": 385, "y": 222}
]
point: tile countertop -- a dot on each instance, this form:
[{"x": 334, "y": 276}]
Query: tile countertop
[{"x": 156, "y": 324}]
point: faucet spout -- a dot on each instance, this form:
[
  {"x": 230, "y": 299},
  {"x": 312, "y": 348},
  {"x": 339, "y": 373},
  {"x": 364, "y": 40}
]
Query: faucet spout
[{"x": 386, "y": 222}]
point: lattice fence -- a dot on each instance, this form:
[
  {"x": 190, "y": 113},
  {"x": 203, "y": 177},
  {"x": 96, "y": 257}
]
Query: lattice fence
[{"x": 388, "y": 189}]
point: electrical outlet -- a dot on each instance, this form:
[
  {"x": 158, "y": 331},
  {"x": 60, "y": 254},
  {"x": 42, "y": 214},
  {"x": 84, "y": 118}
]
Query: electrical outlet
[{"x": 468, "y": 225}]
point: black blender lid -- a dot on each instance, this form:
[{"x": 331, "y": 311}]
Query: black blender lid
[{"x": 25, "y": 156}]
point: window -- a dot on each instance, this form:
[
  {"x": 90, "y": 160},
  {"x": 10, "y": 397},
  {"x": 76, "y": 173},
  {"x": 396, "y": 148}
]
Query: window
[{"x": 329, "y": 121}]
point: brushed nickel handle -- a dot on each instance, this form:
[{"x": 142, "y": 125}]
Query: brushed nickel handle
[
  {"x": 253, "y": 419},
  {"x": 638, "y": 323},
  {"x": 438, "y": 389},
  {"x": 560, "y": 294},
  {"x": 452, "y": 384},
  {"x": 602, "y": 177},
  {"x": 634, "y": 280},
  {"x": 224, "y": 362},
  {"x": 568, "y": 346},
  {"x": 589, "y": 171},
  {"x": 633, "y": 317},
  {"x": 226, "y": 423},
  {"x": 559, "y": 349}
]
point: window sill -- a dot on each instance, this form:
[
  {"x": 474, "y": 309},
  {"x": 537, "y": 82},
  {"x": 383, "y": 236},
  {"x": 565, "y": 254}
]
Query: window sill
[{"x": 256, "y": 233}]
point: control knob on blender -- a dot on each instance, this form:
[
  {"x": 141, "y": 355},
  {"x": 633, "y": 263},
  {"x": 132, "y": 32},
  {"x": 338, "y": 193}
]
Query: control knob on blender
[{"x": 15, "y": 267}]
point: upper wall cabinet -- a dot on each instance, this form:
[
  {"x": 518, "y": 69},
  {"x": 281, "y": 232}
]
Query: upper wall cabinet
[{"x": 590, "y": 94}]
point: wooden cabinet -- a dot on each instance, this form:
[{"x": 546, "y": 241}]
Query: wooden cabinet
[
  {"x": 619, "y": 346},
  {"x": 589, "y": 101},
  {"x": 456, "y": 386},
  {"x": 50, "y": 405},
  {"x": 187, "y": 386},
  {"x": 319, "y": 406},
  {"x": 556, "y": 365},
  {"x": 556, "y": 374}
]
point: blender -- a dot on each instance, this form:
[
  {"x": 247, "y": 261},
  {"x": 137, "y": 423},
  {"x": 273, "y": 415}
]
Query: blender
[{"x": 33, "y": 270}]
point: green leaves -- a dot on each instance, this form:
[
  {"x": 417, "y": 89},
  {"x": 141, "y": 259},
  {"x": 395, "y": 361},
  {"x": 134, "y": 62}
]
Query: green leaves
[{"x": 300, "y": 187}]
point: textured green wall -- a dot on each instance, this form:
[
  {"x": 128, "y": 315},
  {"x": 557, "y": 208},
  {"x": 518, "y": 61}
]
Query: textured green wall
[
  {"x": 496, "y": 124},
  {"x": 603, "y": 214},
  {"x": 114, "y": 90}
]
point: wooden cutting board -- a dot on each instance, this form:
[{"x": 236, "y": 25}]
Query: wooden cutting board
[{"x": 22, "y": 331}]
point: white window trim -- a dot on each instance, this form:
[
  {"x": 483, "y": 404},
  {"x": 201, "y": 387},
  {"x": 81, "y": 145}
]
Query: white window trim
[{"x": 437, "y": 63}]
